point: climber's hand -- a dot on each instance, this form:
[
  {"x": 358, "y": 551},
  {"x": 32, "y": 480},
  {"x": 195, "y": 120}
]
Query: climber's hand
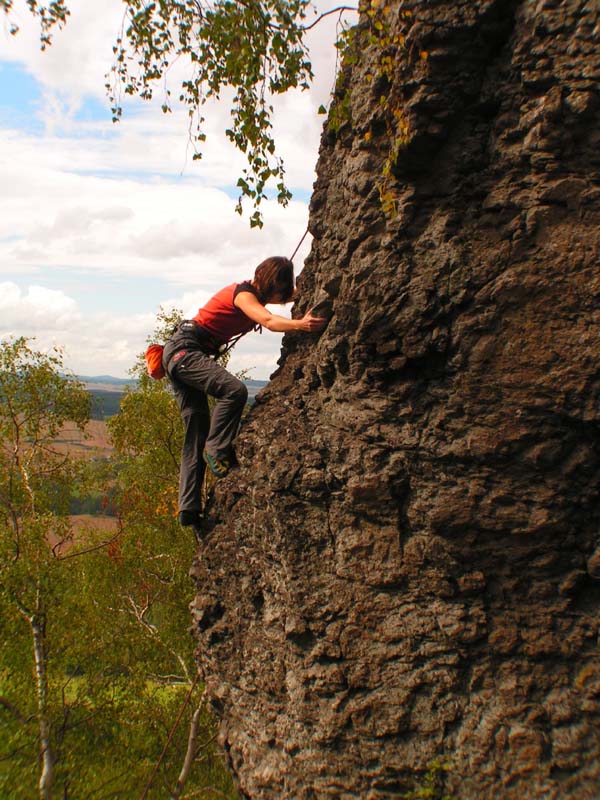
[{"x": 311, "y": 324}]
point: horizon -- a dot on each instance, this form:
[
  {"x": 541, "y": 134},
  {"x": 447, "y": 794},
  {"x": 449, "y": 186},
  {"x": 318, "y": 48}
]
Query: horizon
[{"x": 115, "y": 379}]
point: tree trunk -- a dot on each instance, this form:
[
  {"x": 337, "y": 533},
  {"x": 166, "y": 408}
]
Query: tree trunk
[
  {"x": 189, "y": 755},
  {"x": 38, "y": 629}
]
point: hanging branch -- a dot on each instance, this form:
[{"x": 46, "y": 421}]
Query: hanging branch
[{"x": 339, "y": 9}]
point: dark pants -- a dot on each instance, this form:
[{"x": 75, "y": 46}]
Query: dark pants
[{"x": 194, "y": 375}]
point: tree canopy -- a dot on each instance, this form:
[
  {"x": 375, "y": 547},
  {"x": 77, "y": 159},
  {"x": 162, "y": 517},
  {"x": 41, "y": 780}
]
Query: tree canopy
[
  {"x": 254, "y": 48},
  {"x": 95, "y": 657}
]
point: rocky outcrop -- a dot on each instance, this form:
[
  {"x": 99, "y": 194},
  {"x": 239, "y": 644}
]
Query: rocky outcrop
[{"x": 405, "y": 568}]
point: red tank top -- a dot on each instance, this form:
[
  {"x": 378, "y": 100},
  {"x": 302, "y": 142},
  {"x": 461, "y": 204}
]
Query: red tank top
[{"x": 221, "y": 318}]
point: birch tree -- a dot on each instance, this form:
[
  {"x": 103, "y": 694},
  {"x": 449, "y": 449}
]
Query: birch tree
[
  {"x": 95, "y": 653},
  {"x": 35, "y": 403}
]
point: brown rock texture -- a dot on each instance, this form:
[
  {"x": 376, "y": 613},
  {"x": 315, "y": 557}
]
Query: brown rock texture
[{"x": 406, "y": 565}]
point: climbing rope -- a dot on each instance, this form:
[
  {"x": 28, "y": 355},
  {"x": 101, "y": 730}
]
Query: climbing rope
[
  {"x": 299, "y": 244},
  {"x": 171, "y": 734}
]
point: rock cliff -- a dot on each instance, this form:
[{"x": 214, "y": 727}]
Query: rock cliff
[{"x": 405, "y": 567}]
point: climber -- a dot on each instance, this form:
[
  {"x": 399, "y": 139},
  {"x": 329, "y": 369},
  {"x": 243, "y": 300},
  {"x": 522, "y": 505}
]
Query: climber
[{"x": 188, "y": 360}]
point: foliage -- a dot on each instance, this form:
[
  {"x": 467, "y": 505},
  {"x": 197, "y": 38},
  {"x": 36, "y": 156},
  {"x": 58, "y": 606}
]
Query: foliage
[
  {"x": 152, "y": 560},
  {"x": 254, "y": 48},
  {"x": 375, "y": 35},
  {"x": 147, "y": 437},
  {"x": 110, "y": 715},
  {"x": 95, "y": 658},
  {"x": 35, "y": 403},
  {"x": 250, "y": 50},
  {"x": 95, "y": 490},
  {"x": 55, "y": 13}
]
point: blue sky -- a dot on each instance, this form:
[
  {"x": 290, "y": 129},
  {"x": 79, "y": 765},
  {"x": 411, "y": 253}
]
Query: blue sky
[
  {"x": 105, "y": 223},
  {"x": 19, "y": 95}
]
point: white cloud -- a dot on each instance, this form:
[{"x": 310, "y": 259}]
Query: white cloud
[
  {"x": 74, "y": 68},
  {"x": 80, "y": 55},
  {"x": 126, "y": 206},
  {"x": 181, "y": 229},
  {"x": 108, "y": 344},
  {"x": 93, "y": 344},
  {"x": 40, "y": 308}
]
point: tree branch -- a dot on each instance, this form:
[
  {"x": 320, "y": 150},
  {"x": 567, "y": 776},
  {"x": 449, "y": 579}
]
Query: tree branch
[
  {"x": 190, "y": 753},
  {"x": 170, "y": 737},
  {"x": 327, "y": 13},
  {"x": 87, "y": 550},
  {"x": 13, "y": 710}
]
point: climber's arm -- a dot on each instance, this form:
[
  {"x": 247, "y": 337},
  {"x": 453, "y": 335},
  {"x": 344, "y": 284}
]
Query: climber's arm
[{"x": 255, "y": 311}]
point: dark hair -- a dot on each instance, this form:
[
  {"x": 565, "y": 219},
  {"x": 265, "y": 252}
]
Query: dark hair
[{"x": 275, "y": 275}]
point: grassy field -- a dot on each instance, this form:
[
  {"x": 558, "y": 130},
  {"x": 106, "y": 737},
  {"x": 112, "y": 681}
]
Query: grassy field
[
  {"x": 86, "y": 530},
  {"x": 83, "y": 523},
  {"x": 91, "y": 443}
]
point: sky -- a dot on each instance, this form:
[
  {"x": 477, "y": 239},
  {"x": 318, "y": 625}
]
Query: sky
[{"x": 104, "y": 224}]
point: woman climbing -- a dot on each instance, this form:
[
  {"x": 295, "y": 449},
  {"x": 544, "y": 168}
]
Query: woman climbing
[{"x": 194, "y": 374}]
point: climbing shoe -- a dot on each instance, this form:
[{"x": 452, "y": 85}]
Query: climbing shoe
[
  {"x": 193, "y": 520},
  {"x": 218, "y": 466}
]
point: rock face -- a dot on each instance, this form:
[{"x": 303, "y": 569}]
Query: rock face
[{"x": 405, "y": 568}]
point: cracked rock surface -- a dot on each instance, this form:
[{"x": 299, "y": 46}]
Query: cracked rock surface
[{"x": 406, "y": 566}]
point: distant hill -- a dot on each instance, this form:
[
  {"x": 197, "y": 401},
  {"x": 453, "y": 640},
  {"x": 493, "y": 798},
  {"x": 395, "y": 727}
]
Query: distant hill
[
  {"x": 106, "y": 379},
  {"x": 255, "y": 386},
  {"x": 107, "y": 392},
  {"x": 106, "y": 383},
  {"x": 105, "y": 403}
]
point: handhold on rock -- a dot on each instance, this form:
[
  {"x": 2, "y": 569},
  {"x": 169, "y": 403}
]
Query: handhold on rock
[
  {"x": 322, "y": 306},
  {"x": 593, "y": 564}
]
